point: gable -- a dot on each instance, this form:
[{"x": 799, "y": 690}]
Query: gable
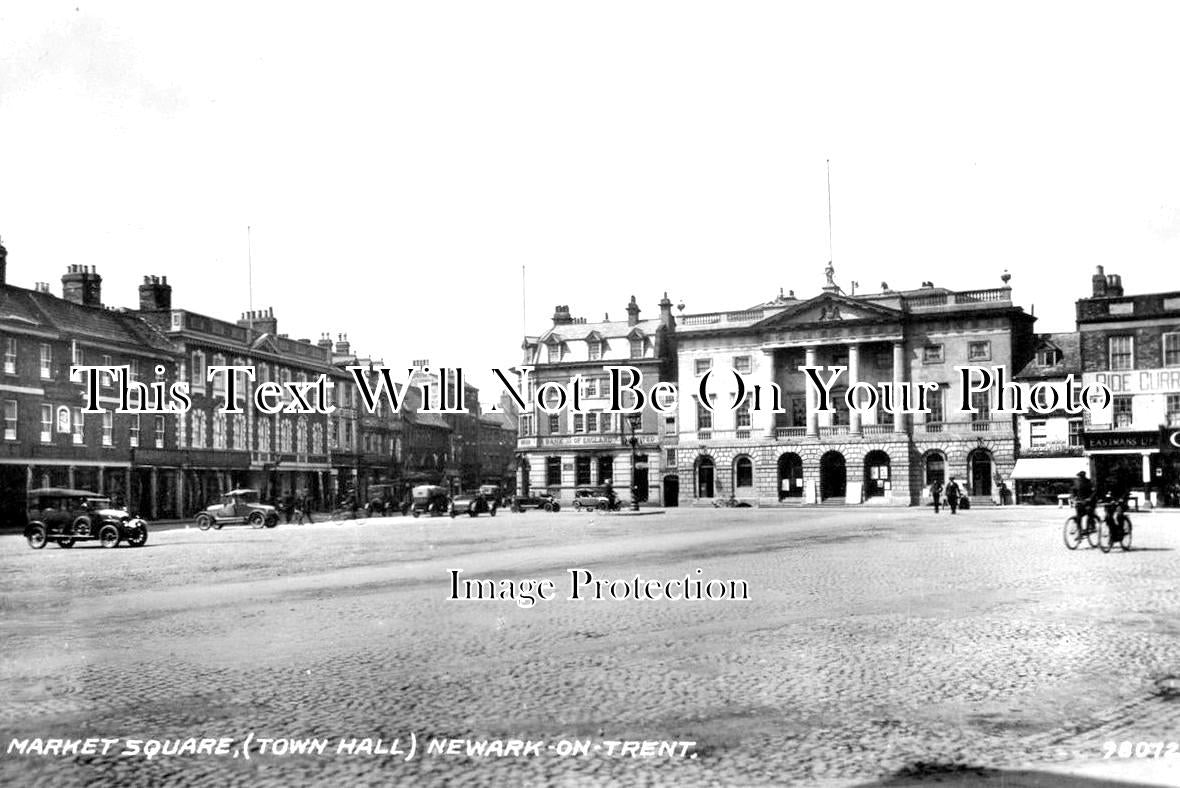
[{"x": 830, "y": 308}]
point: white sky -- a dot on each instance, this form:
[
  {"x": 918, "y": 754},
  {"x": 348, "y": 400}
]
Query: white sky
[{"x": 400, "y": 162}]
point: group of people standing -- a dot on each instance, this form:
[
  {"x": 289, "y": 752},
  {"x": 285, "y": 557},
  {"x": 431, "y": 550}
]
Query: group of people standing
[{"x": 952, "y": 492}]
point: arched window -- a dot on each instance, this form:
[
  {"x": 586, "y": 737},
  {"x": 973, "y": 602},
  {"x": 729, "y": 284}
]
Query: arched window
[{"x": 743, "y": 472}]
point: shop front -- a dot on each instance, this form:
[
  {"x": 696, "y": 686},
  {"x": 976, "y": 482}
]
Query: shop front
[{"x": 1042, "y": 480}]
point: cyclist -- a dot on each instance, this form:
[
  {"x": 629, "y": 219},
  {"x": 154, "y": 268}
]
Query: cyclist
[
  {"x": 1083, "y": 501},
  {"x": 1115, "y": 500}
]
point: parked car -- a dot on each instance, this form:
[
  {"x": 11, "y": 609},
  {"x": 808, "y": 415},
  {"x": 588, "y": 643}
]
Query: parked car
[
  {"x": 430, "y": 499},
  {"x": 67, "y": 516},
  {"x": 473, "y": 504},
  {"x": 593, "y": 498},
  {"x": 494, "y": 493},
  {"x": 238, "y": 507},
  {"x": 539, "y": 501}
]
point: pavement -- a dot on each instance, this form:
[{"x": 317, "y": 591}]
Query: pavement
[{"x": 883, "y": 647}]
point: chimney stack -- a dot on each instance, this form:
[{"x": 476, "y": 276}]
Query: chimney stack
[
  {"x": 342, "y": 345},
  {"x": 666, "y": 309},
  {"x": 632, "y": 312},
  {"x": 3, "y": 264},
  {"x": 155, "y": 294},
  {"x": 261, "y": 320},
  {"x": 1098, "y": 281},
  {"x": 561, "y": 315},
  {"x": 1114, "y": 285},
  {"x": 81, "y": 284}
]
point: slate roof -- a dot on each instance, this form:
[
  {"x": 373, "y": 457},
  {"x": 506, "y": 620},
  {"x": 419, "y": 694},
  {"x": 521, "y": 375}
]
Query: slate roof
[
  {"x": 1070, "y": 345},
  {"x": 19, "y": 306}
]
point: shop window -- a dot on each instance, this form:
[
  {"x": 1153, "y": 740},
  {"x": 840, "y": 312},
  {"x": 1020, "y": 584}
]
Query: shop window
[{"x": 932, "y": 354}]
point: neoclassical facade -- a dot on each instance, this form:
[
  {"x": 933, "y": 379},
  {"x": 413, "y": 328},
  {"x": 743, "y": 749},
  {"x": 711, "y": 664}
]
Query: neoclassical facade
[{"x": 765, "y": 452}]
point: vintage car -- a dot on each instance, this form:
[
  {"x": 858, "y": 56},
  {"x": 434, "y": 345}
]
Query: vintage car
[
  {"x": 541, "y": 500},
  {"x": 430, "y": 499},
  {"x": 473, "y": 504},
  {"x": 494, "y": 493},
  {"x": 594, "y": 498},
  {"x": 237, "y": 507},
  {"x": 67, "y": 516}
]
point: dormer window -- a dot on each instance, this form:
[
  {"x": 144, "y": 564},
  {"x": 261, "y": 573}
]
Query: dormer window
[
  {"x": 1048, "y": 356},
  {"x": 637, "y": 347},
  {"x": 553, "y": 351}
]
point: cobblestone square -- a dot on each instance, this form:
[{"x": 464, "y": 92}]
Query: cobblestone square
[{"x": 876, "y": 644}]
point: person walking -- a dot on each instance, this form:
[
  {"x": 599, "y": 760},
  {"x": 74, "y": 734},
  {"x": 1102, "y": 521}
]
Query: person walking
[
  {"x": 936, "y": 493},
  {"x": 952, "y": 495}
]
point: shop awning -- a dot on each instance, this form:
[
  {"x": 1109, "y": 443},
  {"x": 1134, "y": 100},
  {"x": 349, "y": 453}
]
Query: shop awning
[{"x": 1050, "y": 467}]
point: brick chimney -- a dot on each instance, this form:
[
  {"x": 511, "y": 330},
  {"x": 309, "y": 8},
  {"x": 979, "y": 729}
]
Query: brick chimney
[
  {"x": 666, "y": 310},
  {"x": 1114, "y": 285},
  {"x": 1098, "y": 281},
  {"x": 633, "y": 312},
  {"x": 261, "y": 320},
  {"x": 3, "y": 264},
  {"x": 81, "y": 284},
  {"x": 561, "y": 315},
  {"x": 343, "y": 346},
  {"x": 155, "y": 294}
]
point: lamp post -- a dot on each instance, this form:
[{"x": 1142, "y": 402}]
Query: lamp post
[{"x": 636, "y": 421}]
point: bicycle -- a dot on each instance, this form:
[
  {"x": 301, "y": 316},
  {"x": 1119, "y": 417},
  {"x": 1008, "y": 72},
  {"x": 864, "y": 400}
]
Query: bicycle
[
  {"x": 1116, "y": 523},
  {"x": 1074, "y": 533}
]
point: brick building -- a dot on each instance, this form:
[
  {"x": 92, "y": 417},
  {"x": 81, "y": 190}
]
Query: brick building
[
  {"x": 1131, "y": 344},
  {"x": 47, "y": 438}
]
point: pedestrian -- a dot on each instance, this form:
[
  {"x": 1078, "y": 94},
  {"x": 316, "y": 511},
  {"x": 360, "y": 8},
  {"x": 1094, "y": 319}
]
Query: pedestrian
[
  {"x": 936, "y": 493},
  {"x": 952, "y": 495}
]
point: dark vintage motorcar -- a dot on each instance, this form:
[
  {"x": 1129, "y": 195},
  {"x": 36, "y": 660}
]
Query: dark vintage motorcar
[
  {"x": 67, "y": 516},
  {"x": 238, "y": 507},
  {"x": 473, "y": 504},
  {"x": 543, "y": 500},
  {"x": 494, "y": 493},
  {"x": 430, "y": 499}
]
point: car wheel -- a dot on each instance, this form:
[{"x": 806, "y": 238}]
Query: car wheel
[
  {"x": 37, "y": 536},
  {"x": 65, "y": 544},
  {"x": 549, "y": 507},
  {"x": 137, "y": 535},
  {"x": 472, "y": 512},
  {"x": 204, "y": 522},
  {"x": 108, "y": 536},
  {"x": 271, "y": 521},
  {"x": 417, "y": 513},
  {"x": 577, "y": 507},
  {"x": 81, "y": 525},
  {"x": 255, "y": 519},
  {"x": 492, "y": 512}
]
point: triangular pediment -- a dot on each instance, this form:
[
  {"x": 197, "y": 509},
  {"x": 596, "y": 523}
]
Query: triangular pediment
[
  {"x": 830, "y": 308},
  {"x": 265, "y": 343}
]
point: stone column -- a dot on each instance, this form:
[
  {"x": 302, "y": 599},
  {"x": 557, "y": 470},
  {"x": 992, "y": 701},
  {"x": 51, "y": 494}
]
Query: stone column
[
  {"x": 812, "y": 395},
  {"x": 70, "y": 475},
  {"x": 180, "y": 482},
  {"x": 898, "y": 379},
  {"x": 772, "y": 427},
  {"x": 853, "y": 379}
]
